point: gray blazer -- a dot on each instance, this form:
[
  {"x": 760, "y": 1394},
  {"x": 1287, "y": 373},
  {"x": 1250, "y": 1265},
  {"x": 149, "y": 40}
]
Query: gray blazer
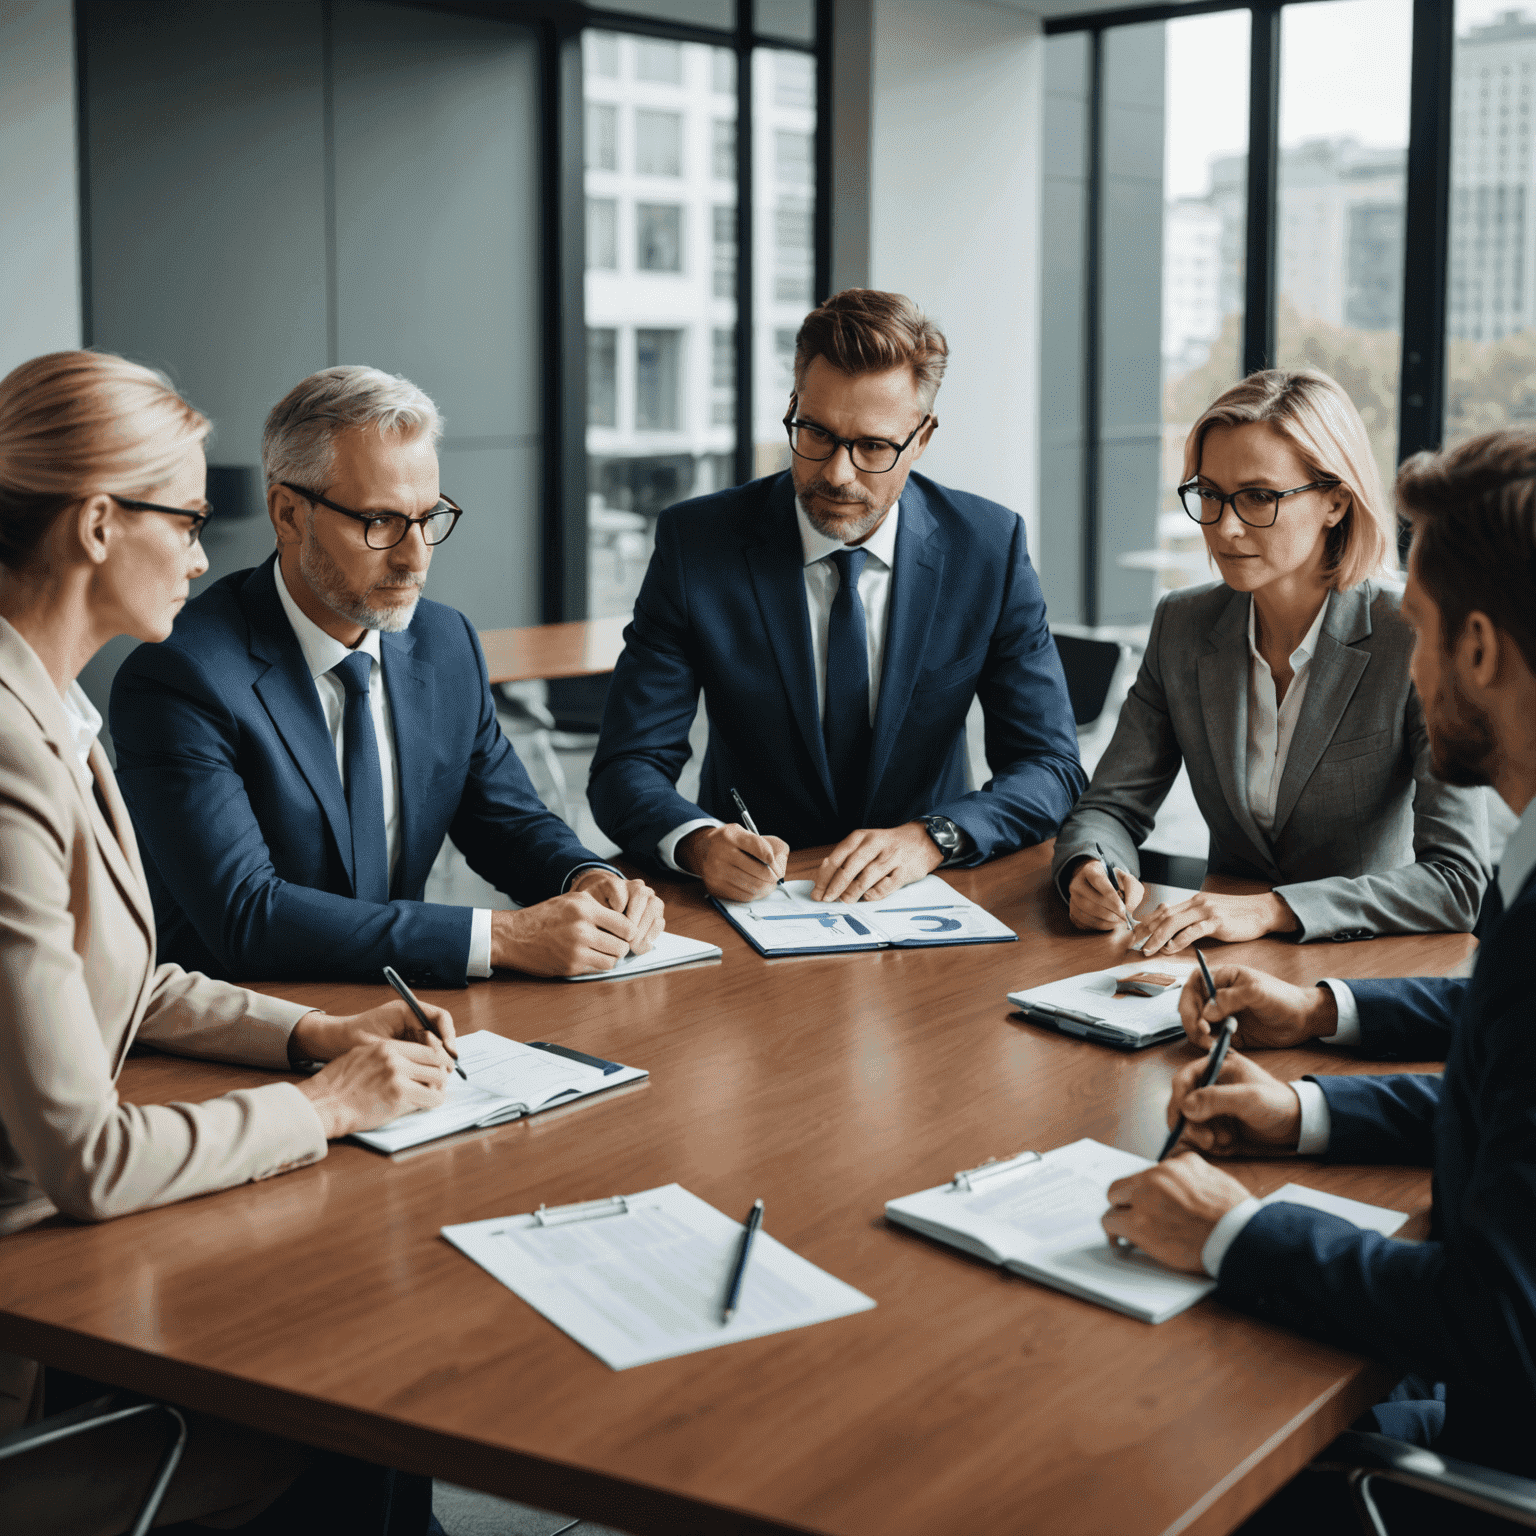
[{"x": 1366, "y": 840}]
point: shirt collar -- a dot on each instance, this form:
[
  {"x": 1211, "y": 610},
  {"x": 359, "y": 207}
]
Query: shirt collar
[
  {"x": 322, "y": 652},
  {"x": 1303, "y": 652},
  {"x": 881, "y": 544},
  {"x": 84, "y": 722},
  {"x": 1519, "y": 856}
]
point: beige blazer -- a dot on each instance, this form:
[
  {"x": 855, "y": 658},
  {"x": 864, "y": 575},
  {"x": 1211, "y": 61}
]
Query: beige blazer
[{"x": 79, "y": 983}]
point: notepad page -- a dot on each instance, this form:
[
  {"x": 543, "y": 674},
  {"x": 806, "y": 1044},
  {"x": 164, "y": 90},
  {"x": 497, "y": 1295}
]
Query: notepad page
[
  {"x": 668, "y": 950},
  {"x": 930, "y": 911},
  {"x": 648, "y": 1283}
]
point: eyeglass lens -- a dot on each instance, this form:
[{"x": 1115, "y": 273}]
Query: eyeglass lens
[
  {"x": 1255, "y": 507},
  {"x": 389, "y": 528},
  {"x": 873, "y": 455}
]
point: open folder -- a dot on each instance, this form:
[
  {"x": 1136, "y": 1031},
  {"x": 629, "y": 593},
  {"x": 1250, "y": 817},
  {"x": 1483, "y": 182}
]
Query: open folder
[
  {"x": 926, "y": 914},
  {"x": 1039, "y": 1215},
  {"x": 1098, "y": 1006},
  {"x": 505, "y": 1081}
]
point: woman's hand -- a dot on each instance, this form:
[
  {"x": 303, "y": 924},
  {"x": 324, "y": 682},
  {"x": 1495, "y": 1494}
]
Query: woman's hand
[
  {"x": 377, "y": 1082},
  {"x": 324, "y": 1037},
  {"x": 1093, "y": 903},
  {"x": 1244, "y": 1111},
  {"x": 1210, "y": 916}
]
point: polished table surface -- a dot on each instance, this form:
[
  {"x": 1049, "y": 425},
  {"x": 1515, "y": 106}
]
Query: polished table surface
[
  {"x": 585, "y": 648},
  {"x": 324, "y": 1305}
]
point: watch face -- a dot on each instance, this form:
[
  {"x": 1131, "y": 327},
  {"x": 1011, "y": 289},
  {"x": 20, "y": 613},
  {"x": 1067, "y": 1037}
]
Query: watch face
[{"x": 944, "y": 833}]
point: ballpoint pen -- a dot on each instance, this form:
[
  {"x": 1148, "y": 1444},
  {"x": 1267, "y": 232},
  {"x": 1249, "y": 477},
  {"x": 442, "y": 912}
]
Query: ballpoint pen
[
  {"x": 748, "y": 1232},
  {"x": 409, "y": 998},
  {"x": 1218, "y": 1055},
  {"x": 751, "y": 826},
  {"x": 1114, "y": 880}
]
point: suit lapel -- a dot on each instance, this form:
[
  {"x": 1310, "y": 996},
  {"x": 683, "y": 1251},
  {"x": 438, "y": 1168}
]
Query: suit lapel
[
  {"x": 115, "y": 837},
  {"x": 916, "y": 582},
  {"x": 408, "y": 685},
  {"x": 777, "y": 564},
  {"x": 1332, "y": 677},
  {"x": 287, "y": 693},
  {"x": 1222, "y": 671}
]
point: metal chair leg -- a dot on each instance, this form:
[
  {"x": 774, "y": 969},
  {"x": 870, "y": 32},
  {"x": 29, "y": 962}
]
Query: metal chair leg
[{"x": 1365, "y": 1505}]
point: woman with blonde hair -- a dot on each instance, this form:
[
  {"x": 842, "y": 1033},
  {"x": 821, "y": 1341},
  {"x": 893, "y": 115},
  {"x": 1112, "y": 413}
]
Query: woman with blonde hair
[
  {"x": 101, "y": 503},
  {"x": 1284, "y": 688}
]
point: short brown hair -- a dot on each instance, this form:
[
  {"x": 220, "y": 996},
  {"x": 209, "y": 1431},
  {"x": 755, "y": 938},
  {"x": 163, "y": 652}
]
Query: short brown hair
[
  {"x": 1320, "y": 422},
  {"x": 1473, "y": 511},
  {"x": 863, "y": 330},
  {"x": 75, "y": 424}
]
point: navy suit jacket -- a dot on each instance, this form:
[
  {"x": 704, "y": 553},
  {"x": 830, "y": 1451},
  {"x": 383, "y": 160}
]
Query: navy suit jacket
[
  {"x": 1460, "y": 1308},
  {"x": 723, "y": 608},
  {"x": 229, "y": 771}
]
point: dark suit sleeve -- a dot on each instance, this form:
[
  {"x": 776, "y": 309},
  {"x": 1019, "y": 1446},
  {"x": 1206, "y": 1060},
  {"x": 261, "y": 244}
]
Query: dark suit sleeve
[
  {"x": 652, "y": 701},
  {"x": 1408, "y": 1019},
  {"x": 1382, "y": 1119},
  {"x": 507, "y": 835},
  {"x": 1031, "y": 738},
  {"x": 178, "y": 755}
]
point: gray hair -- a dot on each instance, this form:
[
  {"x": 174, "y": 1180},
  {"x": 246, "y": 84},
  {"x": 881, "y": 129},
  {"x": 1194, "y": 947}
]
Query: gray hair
[{"x": 298, "y": 443}]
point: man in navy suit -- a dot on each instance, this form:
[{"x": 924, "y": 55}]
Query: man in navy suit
[
  {"x": 839, "y": 618},
  {"x": 1459, "y": 1311},
  {"x": 295, "y": 753}
]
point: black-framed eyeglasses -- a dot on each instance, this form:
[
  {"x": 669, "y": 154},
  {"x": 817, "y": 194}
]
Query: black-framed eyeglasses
[
  {"x": 872, "y": 455},
  {"x": 1256, "y": 505},
  {"x": 198, "y": 518},
  {"x": 383, "y": 530}
]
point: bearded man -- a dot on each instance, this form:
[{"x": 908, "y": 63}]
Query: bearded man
[
  {"x": 295, "y": 753},
  {"x": 840, "y": 618}
]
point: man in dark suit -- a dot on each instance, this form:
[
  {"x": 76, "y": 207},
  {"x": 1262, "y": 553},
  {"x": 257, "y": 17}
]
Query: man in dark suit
[
  {"x": 840, "y": 618},
  {"x": 295, "y": 753},
  {"x": 1460, "y": 1309}
]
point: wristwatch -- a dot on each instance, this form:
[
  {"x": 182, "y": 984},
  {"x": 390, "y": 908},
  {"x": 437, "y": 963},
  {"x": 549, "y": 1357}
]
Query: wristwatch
[{"x": 946, "y": 834}]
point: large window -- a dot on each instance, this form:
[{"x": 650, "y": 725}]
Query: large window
[
  {"x": 1304, "y": 215},
  {"x": 689, "y": 347}
]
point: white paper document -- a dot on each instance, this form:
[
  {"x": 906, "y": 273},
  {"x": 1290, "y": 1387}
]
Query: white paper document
[
  {"x": 669, "y": 949},
  {"x": 927, "y": 913},
  {"x": 506, "y": 1080},
  {"x": 644, "y": 1277},
  {"x": 1040, "y": 1216},
  {"x": 1115, "y": 1017}
]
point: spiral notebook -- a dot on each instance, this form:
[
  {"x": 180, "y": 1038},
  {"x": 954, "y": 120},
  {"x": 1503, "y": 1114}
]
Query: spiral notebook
[{"x": 927, "y": 914}]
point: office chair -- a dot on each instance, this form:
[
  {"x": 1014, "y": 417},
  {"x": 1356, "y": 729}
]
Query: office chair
[
  {"x": 1090, "y": 667},
  {"x": 111, "y": 1409},
  {"x": 1366, "y": 1458},
  {"x": 525, "y": 719}
]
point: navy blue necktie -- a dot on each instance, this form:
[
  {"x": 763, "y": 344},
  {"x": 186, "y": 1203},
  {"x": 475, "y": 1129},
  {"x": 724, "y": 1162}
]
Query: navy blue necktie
[
  {"x": 365, "y": 783},
  {"x": 845, "y": 721}
]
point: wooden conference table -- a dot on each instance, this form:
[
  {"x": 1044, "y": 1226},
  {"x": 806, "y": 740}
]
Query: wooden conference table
[
  {"x": 543, "y": 652},
  {"x": 323, "y": 1305}
]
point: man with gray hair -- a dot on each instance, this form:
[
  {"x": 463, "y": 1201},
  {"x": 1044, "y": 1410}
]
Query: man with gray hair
[{"x": 295, "y": 753}]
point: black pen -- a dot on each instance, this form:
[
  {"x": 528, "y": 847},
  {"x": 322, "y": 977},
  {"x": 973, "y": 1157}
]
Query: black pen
[
  {"x": 1114, "y": 880},
  {"x": 751, "y": 826},
  {"x": 409, "y": 998},
  {"x": 1214, "y": 1065},
  {"x": 754, "y": 1221}
]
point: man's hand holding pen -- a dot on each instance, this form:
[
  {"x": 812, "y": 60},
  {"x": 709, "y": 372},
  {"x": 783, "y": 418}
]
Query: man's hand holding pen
[
  {"x": 1271, "y": 1014},
  {"x": 733, "y": 863}
]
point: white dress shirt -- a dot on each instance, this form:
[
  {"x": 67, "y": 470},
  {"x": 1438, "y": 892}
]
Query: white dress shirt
[
  {"x": 821, "y": 584},
  {"x": 84, "y": 722},
  {"x": 1316, "y": 1128},
  {"x": 322, "y": 652},
  {"x": 1271, "y": 726}
]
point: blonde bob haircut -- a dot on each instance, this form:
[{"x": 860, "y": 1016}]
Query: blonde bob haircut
[
  {"x": 1321, "y": 423},
  {"x": 76, "y": 424}
]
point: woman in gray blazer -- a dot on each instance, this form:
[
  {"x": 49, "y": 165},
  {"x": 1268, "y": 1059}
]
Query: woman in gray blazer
[
  {"x": 1284, "y": 687},
  {"x": 101, "y": 503}
]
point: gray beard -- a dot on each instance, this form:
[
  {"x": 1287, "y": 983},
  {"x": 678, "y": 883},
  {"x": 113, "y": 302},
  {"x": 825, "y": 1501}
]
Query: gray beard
[
  {"x": 849, "y": 533},
  {"x": 329, "y": 585}
]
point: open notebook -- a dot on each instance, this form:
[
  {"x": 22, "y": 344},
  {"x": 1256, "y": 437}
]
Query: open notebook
[
  {"x": 668, "y": 950},
  {"x": 1039, "y": 1214},
  {"x": 925, "y": 914},
  {"x": 506, "y": 1080}
]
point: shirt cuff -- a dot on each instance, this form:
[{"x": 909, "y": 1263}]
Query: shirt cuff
[
  {"x": 666, "y": 849},
  {"x": 1225, "y": 1233},
  {"x": 1316, "y": 1122},
  {"x": 1348, "y": 1030},
  {"x": 479, "y": 943},
  {"x": 570, "y": 879}
]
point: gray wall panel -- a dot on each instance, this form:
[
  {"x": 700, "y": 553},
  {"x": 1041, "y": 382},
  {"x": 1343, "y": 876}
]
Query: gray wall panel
[{"x": 489, "y": 569}]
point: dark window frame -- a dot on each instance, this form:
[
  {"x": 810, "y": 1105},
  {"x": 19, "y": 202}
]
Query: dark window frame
[{"x": 1422, "y": 362}]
